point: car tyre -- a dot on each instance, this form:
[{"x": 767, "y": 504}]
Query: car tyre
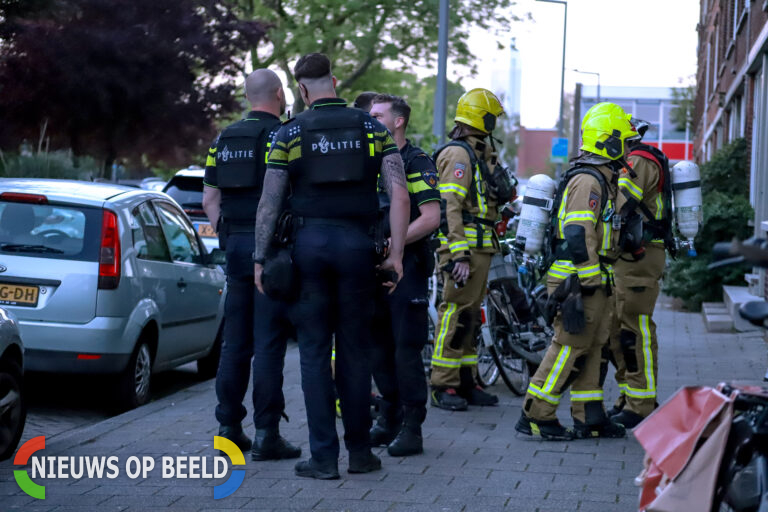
[
  {"x": 135, "y": 380},
  {"x": 13, "y": 407},
  {"x": 208, "y": 366}
]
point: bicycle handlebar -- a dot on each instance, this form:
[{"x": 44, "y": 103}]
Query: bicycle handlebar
[{"x": 753, "y": 251}]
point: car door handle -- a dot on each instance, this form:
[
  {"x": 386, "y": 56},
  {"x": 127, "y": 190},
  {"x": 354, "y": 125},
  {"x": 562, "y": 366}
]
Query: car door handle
[{"x": 181, "y": 283}]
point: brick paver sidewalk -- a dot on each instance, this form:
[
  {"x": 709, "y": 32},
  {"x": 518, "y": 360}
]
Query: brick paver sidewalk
[{"x": 473, "y": 460}]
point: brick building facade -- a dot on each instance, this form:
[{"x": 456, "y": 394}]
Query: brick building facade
[
  {"x": 732, "y": 94},
  {"x": 732, "y": 91}
]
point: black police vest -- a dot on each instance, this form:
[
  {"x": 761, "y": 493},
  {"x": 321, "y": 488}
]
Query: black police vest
[
  {"x": 336, "y": 175},
  {"x": 241, "y": 155}
]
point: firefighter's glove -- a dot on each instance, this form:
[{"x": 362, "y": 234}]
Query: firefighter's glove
[{"x": 567, "y": 297}]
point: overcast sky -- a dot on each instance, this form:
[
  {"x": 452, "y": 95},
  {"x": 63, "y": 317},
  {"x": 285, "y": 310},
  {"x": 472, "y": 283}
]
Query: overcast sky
[{"x": 629, "y": 42}]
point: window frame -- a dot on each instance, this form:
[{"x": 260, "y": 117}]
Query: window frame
[
  {"x": 200, "y": 257},
  {"x": 140, "y": 219}
]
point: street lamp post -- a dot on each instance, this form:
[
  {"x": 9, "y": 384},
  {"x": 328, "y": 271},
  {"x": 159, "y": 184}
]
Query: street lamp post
[
  {"x": 441, "y": 92},
  {"x": 560, "y": 127},
  {"x": 598, "y": 80}
]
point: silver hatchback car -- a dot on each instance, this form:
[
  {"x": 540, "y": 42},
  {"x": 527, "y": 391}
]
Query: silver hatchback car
[{"x": 108, "y": 279}]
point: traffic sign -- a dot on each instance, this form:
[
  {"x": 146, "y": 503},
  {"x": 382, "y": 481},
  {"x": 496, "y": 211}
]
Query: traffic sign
[{"x": 559, "y": 153}]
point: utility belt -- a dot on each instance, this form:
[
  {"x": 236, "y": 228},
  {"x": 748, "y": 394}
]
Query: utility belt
[
  {"x": 371, "y": 226},
  {"x": 231, "y": 226},
  {"x": 562, "y": 267},
  {"x": 226, "y": 227},
  {"x": 366, "y": 225},
  {"x": 480, "y": 225}
]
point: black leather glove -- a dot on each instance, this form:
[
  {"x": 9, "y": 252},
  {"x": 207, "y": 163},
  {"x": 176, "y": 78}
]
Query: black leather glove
[{"x": 567, "y": 297}]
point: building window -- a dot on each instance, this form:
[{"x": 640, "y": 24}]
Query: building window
[
  {"x": 740, "y": 8},
  {"x": 708, "y": 80},
  {"x": 736, "y": 121}
]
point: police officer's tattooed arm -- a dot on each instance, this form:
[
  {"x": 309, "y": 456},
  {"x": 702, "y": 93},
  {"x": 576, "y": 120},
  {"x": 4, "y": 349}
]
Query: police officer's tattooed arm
[
  {"x": 271, "y": 204},
  {"x": 393, "y": 180}
]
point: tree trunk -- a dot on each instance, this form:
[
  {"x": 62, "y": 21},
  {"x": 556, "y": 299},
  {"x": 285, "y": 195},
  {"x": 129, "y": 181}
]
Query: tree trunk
[{"x": 74, "y": 146}]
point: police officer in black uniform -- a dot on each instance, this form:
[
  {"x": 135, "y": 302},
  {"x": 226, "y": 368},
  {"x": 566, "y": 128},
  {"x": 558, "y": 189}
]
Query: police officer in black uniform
[
  {"x": 400, "y": 324},
  {"x": 364, "y": 100},
  {"x": 330, "y": 157},
  {"x": 255, "y": 326}
]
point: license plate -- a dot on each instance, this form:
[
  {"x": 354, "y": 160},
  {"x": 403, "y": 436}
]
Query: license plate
[
  {"x": 18, "y": 295},
  {"x": 206, "y": 231}
]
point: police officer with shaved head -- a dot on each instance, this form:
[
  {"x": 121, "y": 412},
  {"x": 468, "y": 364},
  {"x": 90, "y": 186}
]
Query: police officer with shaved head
[
  {"x": 329, "y": 157},
  {"x": 255, "y": 327}
]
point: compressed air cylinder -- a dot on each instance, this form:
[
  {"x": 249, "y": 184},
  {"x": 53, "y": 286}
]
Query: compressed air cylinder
[
  {"x": 686, "y": 186},
  {"x": 535, "y": 213}
]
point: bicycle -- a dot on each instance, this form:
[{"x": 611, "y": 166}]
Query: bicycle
[{"x": 515, "y": 330}]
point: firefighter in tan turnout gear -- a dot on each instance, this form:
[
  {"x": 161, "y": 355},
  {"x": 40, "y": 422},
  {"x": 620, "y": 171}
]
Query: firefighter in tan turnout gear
[
  {"x": 633, "y": 344},
  {"x": 586, "y": 225},
  {"x": 472, "y": 185}
]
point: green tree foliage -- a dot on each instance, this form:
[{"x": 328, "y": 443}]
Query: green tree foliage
[
  {"x": 360, "y": 35},
  {"x": 727, "y": 213},
  {"x": 683, "y": 98},
  {"x": 420, "y": 95},
  {"x": 422, "y": 102},
  {"x": 120, "y": 78},
  {"x": 57, "y": 164}
]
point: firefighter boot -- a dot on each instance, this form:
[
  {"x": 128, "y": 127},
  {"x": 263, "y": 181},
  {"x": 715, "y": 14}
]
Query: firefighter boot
[
  {"x": 472, "y": 392},
  {"x": 607, "y": 428},
  {"x": 549, "y": 430},
  {"x": 627, "y": 418},
  {"x": 447, "y": 398}
]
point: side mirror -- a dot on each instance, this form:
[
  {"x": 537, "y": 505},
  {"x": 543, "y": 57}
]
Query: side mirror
[{"x": 216, "y": 257}]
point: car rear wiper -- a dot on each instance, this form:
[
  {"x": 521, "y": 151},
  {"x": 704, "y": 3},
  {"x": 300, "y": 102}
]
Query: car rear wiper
[{"x": 30, "y": 248}]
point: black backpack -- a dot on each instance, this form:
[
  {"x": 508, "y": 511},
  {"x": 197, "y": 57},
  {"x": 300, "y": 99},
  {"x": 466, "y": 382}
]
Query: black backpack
[
  {"x": 658, "y": 228},
  {"x": 553, "y": 248}
]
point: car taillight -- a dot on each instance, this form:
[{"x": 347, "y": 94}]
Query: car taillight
[
  {"x": 18, "y": 197},
  {"x": 482, "y": 316},
  {"x": 109, "y": 254}
]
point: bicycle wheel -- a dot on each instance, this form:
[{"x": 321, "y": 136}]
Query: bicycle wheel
[
  {"x": 487, "y": 368},
  {"x": 513, "y": 369},
  {"x": 426, "y": 357}
]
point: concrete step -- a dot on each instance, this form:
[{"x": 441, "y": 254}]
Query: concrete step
[
  {"x": 734, "y": 297},
  {"x": 718, "y": 323},
  {"x": 716, "y": 317},
  {"x": 714, "y": 308}
]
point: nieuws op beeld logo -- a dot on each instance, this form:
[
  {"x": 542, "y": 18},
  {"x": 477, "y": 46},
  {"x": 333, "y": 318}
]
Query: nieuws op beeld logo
[{"x": 182, "y": 466}]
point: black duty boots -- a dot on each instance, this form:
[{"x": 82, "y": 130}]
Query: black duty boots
[
  {"x": 311, "y": 468},
  {"x": 387, "y": 424},
  {"x": 409, "y": 440},
  {"x": 235, "y": 434},
  {"x": 270, "y": 445},
  {"x": 363, "y": 461}
]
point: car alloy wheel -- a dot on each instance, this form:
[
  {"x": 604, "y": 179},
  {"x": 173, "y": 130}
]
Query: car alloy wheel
[
  {"x": 142, "y": 372},
  {"x": 13, "y": 411}
]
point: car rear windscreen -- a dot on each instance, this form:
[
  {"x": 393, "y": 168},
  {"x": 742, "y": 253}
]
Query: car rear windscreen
[
  {"x": 186, "y": 191},
  {"x": 50, "y": 231}
]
